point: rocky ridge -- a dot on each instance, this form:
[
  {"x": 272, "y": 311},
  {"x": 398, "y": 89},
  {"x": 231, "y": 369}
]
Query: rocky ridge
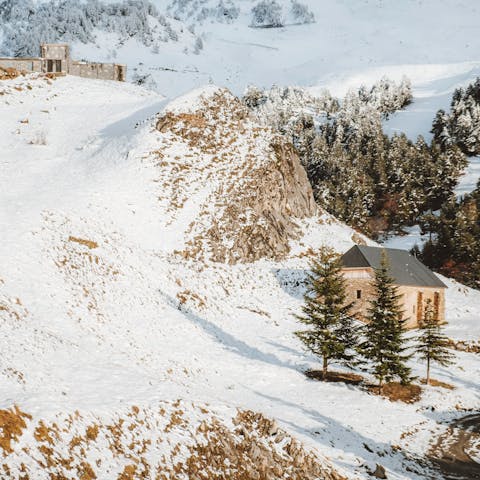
[
  {"x": 250, "y": 185},
  {"x": 172, "y": 441}
]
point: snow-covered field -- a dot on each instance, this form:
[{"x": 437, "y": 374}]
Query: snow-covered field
[{"x": 98, "y": 312}]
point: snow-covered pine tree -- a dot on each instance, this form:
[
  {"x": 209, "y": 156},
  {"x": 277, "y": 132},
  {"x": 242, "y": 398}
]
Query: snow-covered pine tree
[
  {"x": 440, "y": 129},
  {"x": 332, "y": 333},
  {"x": 267, "y": 14},
  {"x": 25, "y": 24},
  {"x": 454, "y": 249},
  {"x": 372, "y": 182},
  {"x": 432, "y": 343},
  {"x": 461, "y": 126},
  {"x": 384, "y": 345},
  {"x": 301, "y": 13}
]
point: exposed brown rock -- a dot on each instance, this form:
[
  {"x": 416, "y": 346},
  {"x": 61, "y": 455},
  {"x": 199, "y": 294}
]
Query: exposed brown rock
[
  {"x": 464, "y": 346},
  {"x": 380, "y": 472},
  {"x": 261, "y": 190},
  {"x": 164, "y": 444},
  {"x": 358, "y": 239},
  {"x": 9, "y": 73}
]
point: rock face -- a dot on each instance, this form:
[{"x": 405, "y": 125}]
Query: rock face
[
  {"x": 254, "y": 187},
  {"x": 8, "y": 73},
  {"x": 380, "y": 472},
  {"x": 170, "y": 441},
  {"x": 464, "y": 346}
]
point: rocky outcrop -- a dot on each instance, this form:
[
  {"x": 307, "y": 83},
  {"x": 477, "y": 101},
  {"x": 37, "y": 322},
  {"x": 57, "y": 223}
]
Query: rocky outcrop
[
  {"x": 464, "y": 346},
  {"x": 8, "y": 73},
  {"x": 172, "y": 441},
  {"x": 257, "y": 188},
  {"x": 274, "y": 194}
]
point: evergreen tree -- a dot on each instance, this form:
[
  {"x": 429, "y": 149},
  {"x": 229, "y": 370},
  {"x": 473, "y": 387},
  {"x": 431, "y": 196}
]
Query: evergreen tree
[
  {"x": 267, "y": 13},
  {"x": 440, "y": 129},
  {"x": 384, "y": 344},
  {"x": 454, "y": 249},
  {"x": 432, "y": 344},
  {"x": 461, "y": 126},
  {"x": 332, "y": 333},
  {"x": 374, "y": 183}
]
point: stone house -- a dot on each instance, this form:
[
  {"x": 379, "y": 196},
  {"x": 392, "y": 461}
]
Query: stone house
[
  {"x": 55, "y": 58},
  {"x": 415, "y": 282}
]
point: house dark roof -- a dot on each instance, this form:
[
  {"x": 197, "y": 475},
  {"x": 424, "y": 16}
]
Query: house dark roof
[{"x": 404, "y": 268}]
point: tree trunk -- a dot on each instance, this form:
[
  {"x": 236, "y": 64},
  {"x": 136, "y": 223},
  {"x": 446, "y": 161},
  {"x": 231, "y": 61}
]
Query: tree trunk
[
  {"x": 428, "y": 371},
  {"x": 325, "y": 367}
]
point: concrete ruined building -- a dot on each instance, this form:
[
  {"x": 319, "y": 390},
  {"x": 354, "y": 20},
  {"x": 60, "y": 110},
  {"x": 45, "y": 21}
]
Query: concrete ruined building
[
  {"x": 414, "y": 281},
  {"x": 55, "y": 58}
]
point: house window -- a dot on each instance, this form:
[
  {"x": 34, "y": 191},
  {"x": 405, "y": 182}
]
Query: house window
[
  {"x": 359, "y": 294},
  {"x": 58, "y": 66},
  {"x": 49, "y": 66}
]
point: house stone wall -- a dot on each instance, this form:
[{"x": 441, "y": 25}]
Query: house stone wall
[
  {"x": 103, "y": 71},
  {"x": 359, "y": 279},
  {"x": 33, "y": 65},
  {"x": 61, "y": 64},
  {"x": 412, "y": 301},
  {"x": 55, "y": 51}
]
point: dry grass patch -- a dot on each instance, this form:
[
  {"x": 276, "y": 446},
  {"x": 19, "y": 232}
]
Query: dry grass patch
[
  {"x": 187, "y": 296},
  {"x": 396, "y": 392},
  {"x": 44, "y": 434},
  {"x": 12, "y": 424},
  {"x": 437, "y": 383},
  {"x": 82, "y": 241},
  {"x": 86, "y": 472},
  {"x": 332, "y": 376},
  {"x": 128, "y": 473},
  {"x": 92, "y": 432},
  {"x": 12, "y": 308}
]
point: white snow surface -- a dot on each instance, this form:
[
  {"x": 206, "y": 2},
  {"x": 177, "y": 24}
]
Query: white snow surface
[
  {"x": 431, "y": 42},
  {"x": 351, "y": 43},
  {"x": 97, "y": 327}
]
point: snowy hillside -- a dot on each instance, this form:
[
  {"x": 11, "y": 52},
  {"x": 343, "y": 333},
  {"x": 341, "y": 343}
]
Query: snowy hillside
[
  {"x": 110, "y": 333},
  {"x": 188, "y": 43},
  {"x": 155, "y": 238}
]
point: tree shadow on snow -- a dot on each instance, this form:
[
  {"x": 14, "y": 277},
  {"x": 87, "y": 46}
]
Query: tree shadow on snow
[
  {"x": 230, "y": 342},
  {"x": 292, "y": 280},
  {"x": 345, "y": 438},
  {"x": 127, "y": 125}
]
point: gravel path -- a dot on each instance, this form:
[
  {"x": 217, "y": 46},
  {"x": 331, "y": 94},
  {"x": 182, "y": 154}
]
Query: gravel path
[{"x": 449, "y": 454}]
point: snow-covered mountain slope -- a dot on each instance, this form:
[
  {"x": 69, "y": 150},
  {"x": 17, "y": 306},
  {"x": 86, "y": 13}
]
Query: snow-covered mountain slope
[
  {"x": 348, "y": 44},
  {"x": 243, "y": 187},
  {"x": 102, "y": 314},
  {"x": 182, "y": 44}
]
